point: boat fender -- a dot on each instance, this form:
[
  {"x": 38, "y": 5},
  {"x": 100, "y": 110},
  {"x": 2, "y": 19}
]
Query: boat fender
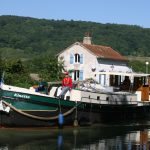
[{"x": 61, "y": 119}]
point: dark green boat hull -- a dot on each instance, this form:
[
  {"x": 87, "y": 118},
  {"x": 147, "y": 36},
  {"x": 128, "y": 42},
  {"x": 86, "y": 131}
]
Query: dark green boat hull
[{"x": 40, "y": 106}]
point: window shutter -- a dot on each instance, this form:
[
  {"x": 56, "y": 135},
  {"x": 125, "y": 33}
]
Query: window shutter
[
  {"x": 71, "y": 58},
  {"x": 81, "y": 75},
  {"x": 81, "y": 59}
]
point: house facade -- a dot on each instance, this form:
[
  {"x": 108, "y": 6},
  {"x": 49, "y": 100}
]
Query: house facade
[{"x": 84, "y": 59}]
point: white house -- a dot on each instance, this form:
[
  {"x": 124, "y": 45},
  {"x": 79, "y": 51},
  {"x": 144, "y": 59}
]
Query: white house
[{"x": 82, "y": 59}]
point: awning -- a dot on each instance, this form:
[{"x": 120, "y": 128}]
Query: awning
[{"x": 132, "y": 74}]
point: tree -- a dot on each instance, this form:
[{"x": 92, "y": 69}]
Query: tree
[
  {"x": 48, "y": 68},
  {"x": 16, "y": 74},
  {"x": 1, "y": 66}
]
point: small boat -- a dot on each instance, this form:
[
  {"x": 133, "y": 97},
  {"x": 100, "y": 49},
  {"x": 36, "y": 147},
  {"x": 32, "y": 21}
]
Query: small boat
[{"x": 87, "y": 103}]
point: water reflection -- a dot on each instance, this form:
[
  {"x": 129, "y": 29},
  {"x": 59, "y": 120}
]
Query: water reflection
[{"x": 118, "y": 137}]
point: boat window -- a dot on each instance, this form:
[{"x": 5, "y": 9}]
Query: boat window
[
  {"x": 98, "y": 97},
  {"x": 107, "y": 98}
]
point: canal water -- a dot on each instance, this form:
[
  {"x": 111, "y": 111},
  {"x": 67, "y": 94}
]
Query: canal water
[{"x": 98, "y": 137}]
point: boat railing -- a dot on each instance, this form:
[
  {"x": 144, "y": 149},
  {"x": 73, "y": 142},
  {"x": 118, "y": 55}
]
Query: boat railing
[
  {"x": 144, "y": 103},
  {"x": 108, "y": 101}
]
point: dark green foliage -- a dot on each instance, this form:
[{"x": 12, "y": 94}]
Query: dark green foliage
[
  {"x": 139, "y": 66},
  {"x": 14, "y": 67},
  {"x": 30, "y": 37},
  {"x": 47, "y": 67},
  {"x": 1, "y": 66},
  {"x": 16, "y": 74}
]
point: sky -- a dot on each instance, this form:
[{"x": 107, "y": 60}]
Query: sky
[{"x": 130, "y": 12}]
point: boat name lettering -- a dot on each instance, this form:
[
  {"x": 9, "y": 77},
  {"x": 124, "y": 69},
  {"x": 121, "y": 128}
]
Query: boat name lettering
[{"x": 21, "y": 96}]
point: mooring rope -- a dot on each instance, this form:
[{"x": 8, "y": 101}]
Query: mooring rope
[{"x": 37, "y": 117}]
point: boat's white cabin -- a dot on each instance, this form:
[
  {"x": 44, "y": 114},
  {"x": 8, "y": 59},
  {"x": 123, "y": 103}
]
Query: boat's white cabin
[{"x": 96, "y": 97}]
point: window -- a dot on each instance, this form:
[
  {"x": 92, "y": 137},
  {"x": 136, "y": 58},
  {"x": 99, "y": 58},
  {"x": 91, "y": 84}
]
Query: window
[
  {"x": 76, "y": 75},
  {"x": 102, "y": 79},
  {"x": 77, "y": 58}
]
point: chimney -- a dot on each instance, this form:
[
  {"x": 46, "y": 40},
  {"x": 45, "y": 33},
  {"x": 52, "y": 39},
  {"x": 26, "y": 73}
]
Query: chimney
[{"x": 87, "y": 38}]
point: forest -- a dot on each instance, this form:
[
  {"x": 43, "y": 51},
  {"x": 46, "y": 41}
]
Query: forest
[{"x": 32, "y": 44}]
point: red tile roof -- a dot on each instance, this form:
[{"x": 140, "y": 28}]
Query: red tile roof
[{"x": 105, "y": 52}]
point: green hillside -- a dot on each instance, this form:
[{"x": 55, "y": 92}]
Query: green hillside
[
  {"x": 24, "y": 37},
  {"x": 38, "y": 40}
]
